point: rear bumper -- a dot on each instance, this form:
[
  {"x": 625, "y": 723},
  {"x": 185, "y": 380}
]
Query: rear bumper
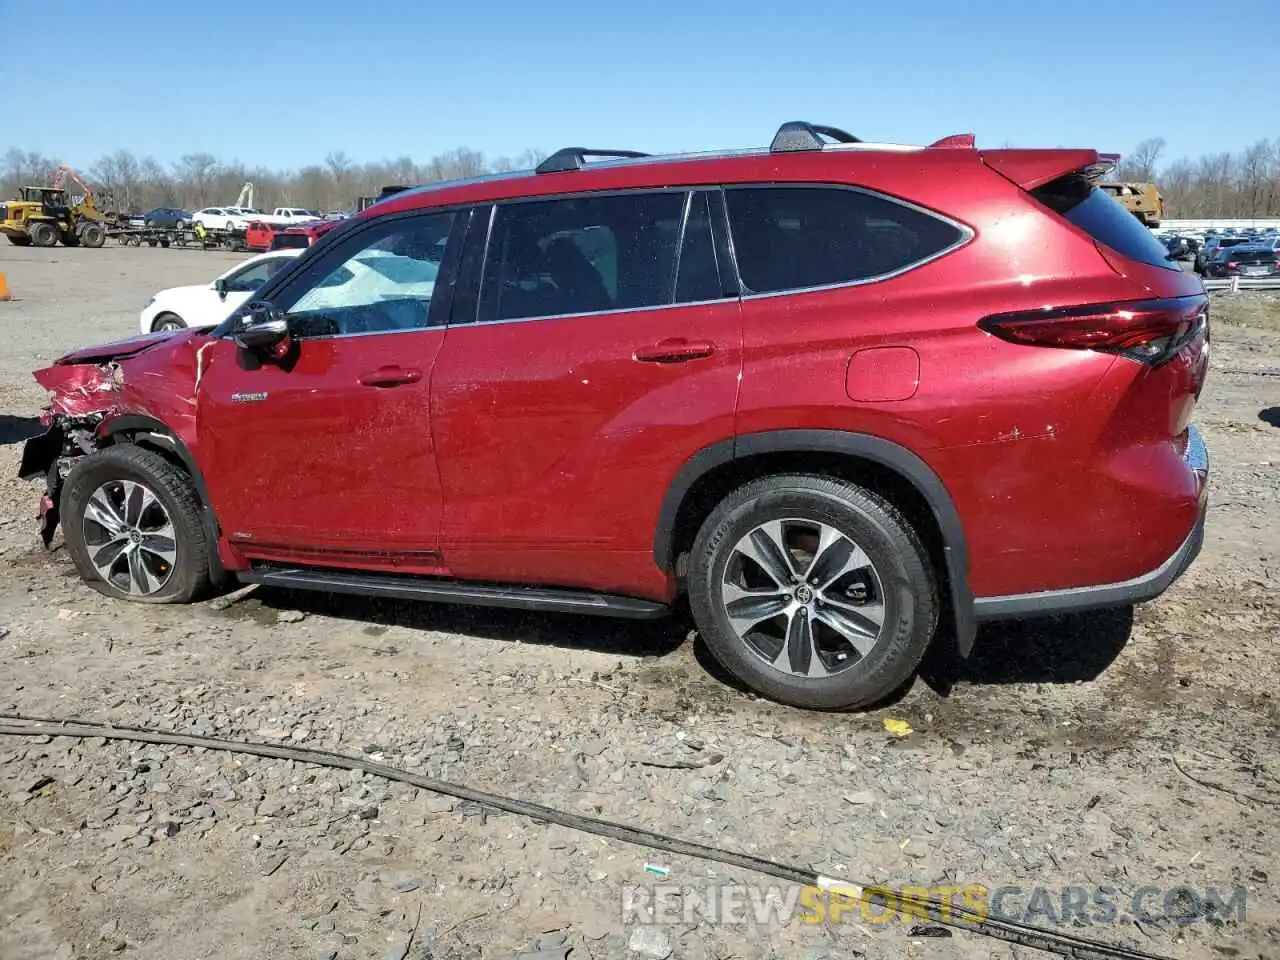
[{"x": 1145, "y": 587}]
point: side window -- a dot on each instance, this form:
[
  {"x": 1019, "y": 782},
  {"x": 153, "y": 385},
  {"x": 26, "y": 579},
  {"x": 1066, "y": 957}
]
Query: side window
[
  {"x": 254, "y": 276},
  {"x": 698, "y": 276},
  {"x": 382, "y": 281},
  {"x": 791, "y": 238},
  {"x": 581, "y": 255}
]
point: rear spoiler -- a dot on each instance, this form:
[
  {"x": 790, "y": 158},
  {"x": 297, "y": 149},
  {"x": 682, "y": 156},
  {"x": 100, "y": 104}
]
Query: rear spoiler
[{"x": 1034, "y": 168}]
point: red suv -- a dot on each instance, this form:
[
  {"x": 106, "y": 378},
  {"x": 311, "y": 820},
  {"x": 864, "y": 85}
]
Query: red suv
[{"x": 842, "y": 395}]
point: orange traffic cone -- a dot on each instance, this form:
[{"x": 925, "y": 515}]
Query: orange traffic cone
[{"x": 4, "y": 289}]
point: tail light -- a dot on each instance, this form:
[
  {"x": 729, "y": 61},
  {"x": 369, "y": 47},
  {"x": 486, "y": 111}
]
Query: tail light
[
  {"x": 1233, "y": 264},
  {"x": 1149, "y": 331}
]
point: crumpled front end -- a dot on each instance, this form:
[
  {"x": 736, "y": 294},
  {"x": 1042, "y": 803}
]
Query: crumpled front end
[
  {"x": 148, "y": 376},
  {"x": 81, "y": 396}
]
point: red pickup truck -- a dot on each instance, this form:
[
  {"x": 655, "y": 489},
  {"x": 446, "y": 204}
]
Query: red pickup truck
[{"x": 273, "y": 236}]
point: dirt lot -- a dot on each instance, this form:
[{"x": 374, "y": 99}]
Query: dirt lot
[{"x": 1120, "y": 750}]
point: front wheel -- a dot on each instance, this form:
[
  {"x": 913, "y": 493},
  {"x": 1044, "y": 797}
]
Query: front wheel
[
  {"x": 43, "y": 233},
  {"x": 132, "y": 525},
  {"x": 813, "y": 591}
]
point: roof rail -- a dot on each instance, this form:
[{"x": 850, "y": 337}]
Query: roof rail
[
  {"x": 796, "y": 136},
  {"x": 574, "y": 158}
]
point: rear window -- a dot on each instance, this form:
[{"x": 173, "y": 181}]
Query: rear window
[
  {"x": 1104, "y": 219},
  {"x": 290, "y": 241},
  {"x": 1252, "y": 256}
]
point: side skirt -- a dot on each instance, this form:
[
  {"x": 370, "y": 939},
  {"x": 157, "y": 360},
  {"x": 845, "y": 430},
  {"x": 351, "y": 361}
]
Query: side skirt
[{"x": 549, "y": 599}]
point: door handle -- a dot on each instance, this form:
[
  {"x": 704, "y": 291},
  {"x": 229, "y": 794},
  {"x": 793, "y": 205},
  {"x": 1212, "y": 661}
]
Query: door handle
[
  {"x": 675, "y": 350},
  {"x": 390, "y": 376}
]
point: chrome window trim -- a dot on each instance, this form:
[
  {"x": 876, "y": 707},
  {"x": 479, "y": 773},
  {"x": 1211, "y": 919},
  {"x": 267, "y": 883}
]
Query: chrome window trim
[
  {"x": 966, "y": 235},
  {"x": 593, "y": 313},
  {"x": 374, "y": 333}
]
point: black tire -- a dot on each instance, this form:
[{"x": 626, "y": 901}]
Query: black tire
[
  {"x": 167, "y": 321},
  {"x": 151, "y": 241},
  {"x": 19, "y": 241},
  {"x": 188, "y": 577},
  {"x": 93, "y": 235},
  {"x": 43, "y": 233},
  {"x": 910, "y": 598}
]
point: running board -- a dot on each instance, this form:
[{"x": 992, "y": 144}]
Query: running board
[{"x": 401, "y": 587}]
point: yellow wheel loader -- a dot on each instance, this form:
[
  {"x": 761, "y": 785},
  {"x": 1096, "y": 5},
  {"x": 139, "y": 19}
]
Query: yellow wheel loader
[{"x": 42, "y": 216}]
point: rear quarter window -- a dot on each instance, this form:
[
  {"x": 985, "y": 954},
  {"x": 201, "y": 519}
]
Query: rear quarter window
[
  {"x": 797, "y": 238},
  {"x": 1098, "y": 214}
]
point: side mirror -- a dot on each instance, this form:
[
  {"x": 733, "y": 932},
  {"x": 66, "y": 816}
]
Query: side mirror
[
  {"x": 261, "y": 327},
  {"x": 221, "y": 286}
]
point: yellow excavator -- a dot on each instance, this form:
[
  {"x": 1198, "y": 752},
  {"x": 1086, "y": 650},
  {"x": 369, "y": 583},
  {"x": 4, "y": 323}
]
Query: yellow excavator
[
  {"x": 1143, "y": 200},
  {"x": 41, "y": 216}
]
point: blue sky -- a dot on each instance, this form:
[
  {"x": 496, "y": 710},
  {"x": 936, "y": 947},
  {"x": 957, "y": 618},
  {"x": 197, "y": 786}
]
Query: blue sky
[{"x": 283, "y": 83}]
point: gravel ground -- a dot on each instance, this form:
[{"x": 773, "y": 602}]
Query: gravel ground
[{"x": 1121, "y": 750}]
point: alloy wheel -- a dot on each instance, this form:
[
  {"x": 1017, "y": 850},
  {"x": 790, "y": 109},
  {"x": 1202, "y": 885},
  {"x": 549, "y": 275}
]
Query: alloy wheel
[
  {"x": 803, "y": 597},
  {"x": 130, "y": 537}
]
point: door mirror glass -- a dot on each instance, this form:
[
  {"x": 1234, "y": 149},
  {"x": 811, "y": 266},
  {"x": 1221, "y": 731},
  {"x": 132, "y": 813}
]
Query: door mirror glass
[{"x": 261, "y": 326}]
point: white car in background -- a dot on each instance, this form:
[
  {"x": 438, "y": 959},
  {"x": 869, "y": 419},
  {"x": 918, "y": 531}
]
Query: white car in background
[
  {"x": 221, "y": 218},
  {"x": 208, "y": 304}
]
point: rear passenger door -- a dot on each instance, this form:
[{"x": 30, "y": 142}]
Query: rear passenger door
[{"x": 594, "y": 346}]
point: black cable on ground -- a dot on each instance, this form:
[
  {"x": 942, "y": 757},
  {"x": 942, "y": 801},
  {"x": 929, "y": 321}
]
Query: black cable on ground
[{"x": 939, "y": 911}]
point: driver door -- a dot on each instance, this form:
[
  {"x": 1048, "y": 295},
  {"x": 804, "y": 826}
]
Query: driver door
[{"x": 325, "y": 457}]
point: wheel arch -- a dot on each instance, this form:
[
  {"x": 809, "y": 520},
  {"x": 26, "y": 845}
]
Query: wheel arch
[
  {"x": 708, "y": 474},
  {"x": 154, "y": 435}
]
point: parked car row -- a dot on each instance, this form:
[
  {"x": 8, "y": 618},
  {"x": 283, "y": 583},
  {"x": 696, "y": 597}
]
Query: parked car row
[
  {"x": 239, "y": 218},
  {"x": 1204, "y": 249}
]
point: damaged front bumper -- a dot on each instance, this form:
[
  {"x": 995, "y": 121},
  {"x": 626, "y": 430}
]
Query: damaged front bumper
[
  {"x": 79, "y": 398},
  {"x": 40, "y": 458},
  {"x": 45, "y": 456}
]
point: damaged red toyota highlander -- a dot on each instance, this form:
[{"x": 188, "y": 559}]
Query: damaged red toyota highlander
[{"x": 844, "y": 396}]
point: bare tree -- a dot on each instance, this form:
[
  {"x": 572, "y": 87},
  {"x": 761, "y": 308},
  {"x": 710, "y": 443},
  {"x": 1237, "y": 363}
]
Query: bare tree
[
  {"x": 1140, "y": 165},
  {"x": 194, "y": 171}
]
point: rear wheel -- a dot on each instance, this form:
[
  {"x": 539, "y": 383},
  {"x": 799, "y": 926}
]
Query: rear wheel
[
  {"x": 132, "y": 525},
  {"x": 43, "y": 233},
  {"x": 92, "y": 235},
  {"x": 813, "y": 591}
]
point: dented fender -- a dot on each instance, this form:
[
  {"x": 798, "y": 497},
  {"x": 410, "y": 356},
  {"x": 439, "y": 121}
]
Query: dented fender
[{"x": 142, "y": 384}]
